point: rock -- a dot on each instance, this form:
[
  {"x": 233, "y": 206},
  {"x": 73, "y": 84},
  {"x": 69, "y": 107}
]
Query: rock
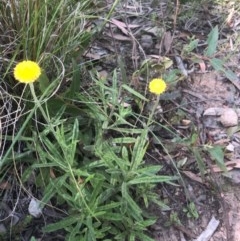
[
  {"x": 230, "y": 147},
  {"x": 35, "y": 208},
  {"x": 229, "y": 118},
  {"x": 186, "y": 122},
  {"x": 214, "y": 111},
  {"x": 146, "y": 41},
  {"x": 233, "y": 175}
]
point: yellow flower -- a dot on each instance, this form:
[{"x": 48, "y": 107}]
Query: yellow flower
[
  {"x": 27, "y": 71},
  {"x": 157, "y": 86}
]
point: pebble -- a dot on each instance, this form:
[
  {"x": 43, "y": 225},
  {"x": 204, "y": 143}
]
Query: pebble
[
  {"x": 230, "y": 147},
  {"x": 214, "y": 111},
  {"x": 146, "y": 41},
  {"x": 229, "y": 118}
]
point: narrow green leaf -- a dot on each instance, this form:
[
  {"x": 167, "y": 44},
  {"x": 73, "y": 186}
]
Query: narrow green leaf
[
  {"x": 127, "y": 130},
  {"x": 109, "y": 206},
  {"x": 90, "y": 230},
  {"x": 132, "y": 237},
  {"x": 133, "y": 209},
  {"x": 217, "y": 154},
  {"x": 150, "y": 169},
  {"x": 49, "y": 192},
  {"x": 200, "y": 162},
  {"x": 154, "y": 179},
  {"x": 43, "y": 82},
  {"x": 139, "y": 150},
  {"x": 124, "y": 190},
  {"x": 146, "y": 223},
  {"x": 217, "y": 64},
  {"x": 112, "y": 216},
  {"x": 212, "y": 42},
  {"x": 144, "y": 237},
  {"x": 230, "y": 75},
  {"x": 76, "y": 80},
  {"x": 134, "y": 92},
  {"x": 124, "y": 140},
  {"x": 61, "y": 224}
]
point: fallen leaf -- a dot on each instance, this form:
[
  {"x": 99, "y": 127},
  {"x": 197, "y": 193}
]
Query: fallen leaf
[
  {"x": 118, "y": 37},
  {"x": 194, "y": 177},
  {"x": 229, "y": 165},
  {"x": 5, "y": 185},
  {"x": 167, "y": 42},
  {"x": 229, "y": 19},
  {"x": 202, "y": 66},
  {"x": 52, "y": 174},
  {"x": 122, "y": 26},
  {"x": 92, "y": 56}
]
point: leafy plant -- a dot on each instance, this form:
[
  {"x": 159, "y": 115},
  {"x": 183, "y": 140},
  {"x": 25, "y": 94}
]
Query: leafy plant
[
  {"x": 173, "y": 219},
  {"x": 191, "y": 211},
  {"x": 105, "y": 183}
]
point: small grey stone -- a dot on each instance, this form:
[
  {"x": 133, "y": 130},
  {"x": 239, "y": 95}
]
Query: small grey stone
[
  {"x": 146, "y": 41},
  {"x": 229, "y": 118}
]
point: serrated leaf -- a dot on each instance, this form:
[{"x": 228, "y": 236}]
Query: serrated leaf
[{"x": 212, "y": 42}]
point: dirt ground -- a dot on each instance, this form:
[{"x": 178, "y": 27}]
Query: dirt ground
[{"x": 157, "y": 31}]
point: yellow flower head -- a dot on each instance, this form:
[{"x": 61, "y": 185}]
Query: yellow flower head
[
  {"x": 27, "y": 71},
  {"x": 157, "y": 86}
]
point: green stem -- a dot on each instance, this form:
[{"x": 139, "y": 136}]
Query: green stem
[
  {"x": 38, "y": 104},
  {"x": 153, "y": 111}
]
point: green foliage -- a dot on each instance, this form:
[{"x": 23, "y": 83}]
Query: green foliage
[
  {"x": 105, "y": 182},
  {"x": 217, "y": 64},
  {"x": 84, "y": 143},
  {"x": 173, "y": 220},
  {"x": 191, "y": 211},
  {"x": 212, "y": 42},
  {"x": 217, "y": 154},
  {"x": 40, "y": 27}
]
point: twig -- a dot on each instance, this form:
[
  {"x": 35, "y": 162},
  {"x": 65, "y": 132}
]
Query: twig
[{"x": 208, "y": 232}]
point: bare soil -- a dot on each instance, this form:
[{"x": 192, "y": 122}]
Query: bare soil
[{"x": 158, "y": 29}]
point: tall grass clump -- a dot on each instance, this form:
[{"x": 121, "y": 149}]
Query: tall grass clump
[{"x": 50, "y": 26}]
